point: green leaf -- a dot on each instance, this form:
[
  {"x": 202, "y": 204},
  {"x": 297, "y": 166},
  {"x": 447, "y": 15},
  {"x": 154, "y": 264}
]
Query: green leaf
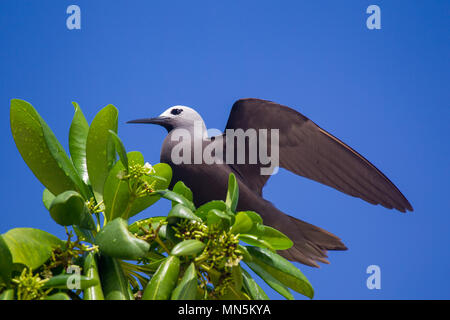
[
  {"x": 162, "y": 170},
  {"x": 31, "y": 247},
  {"x": 116, "y": 241},
  {"x": 153, "y": 255},
  {"x": 8, "y": 294},
  {"x": 187, "y": 288},
  {"x": 69, "y": 208},
  {"x": 183, "y": 190},
  {"x": 47, "y": 198},
  {"x": 151, "y": 267},
  {"x": 114, "y": 282},
  {"x": 163, "y": 281},
  {"x": 87, "y": 221},
  {"x": 262, "y": 235},
  {"x": 281, "y": 269},
  {"x": 100, "y": 155},
  {"x": 62, "y": 281},
  {"x": 245, "y": 254},
  {"x": 120, "y": 149},
  {"x": 180, "y": 211},
  {"x": 234, "y": 289},
  {"x": 236, "y": 275},
  {"x": 90, "y": 270},
  {"x": 232, "y": 294},
  {"x": 58, "y": 296},
  {"x": 77, "y": 142},
  {"x": 153, "y": 222},
  {"x": 219, "y": 219},
  {"x": 277, "y": 240},
  {"x": 116, "y": 191},
  {"x": 271, "y": 280},
  {"x": 204, "y": 209},
  {"x": 42, "y": 152},
  {"x": 252, "y": 288},
  {"x": 256, "y": 218},
  {"x": 166, "y": 232},
  {"x": 6, "y": 264},
  {"x": 232, "y": 193},
  {"x": 255, "y": 241},
  {"x": 173, "y": 196},
  {"x": 242, "y": 224},
  {"x": 188, "y": 248},
  {"x": 84, "y": 234},
  {"x": 117, "y": 194},
  {"x": 254, "y": 236},
  {"x": 249, "y": 225}
]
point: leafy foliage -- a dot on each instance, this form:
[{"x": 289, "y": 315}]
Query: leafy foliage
[{"x": 192, "y": 253}]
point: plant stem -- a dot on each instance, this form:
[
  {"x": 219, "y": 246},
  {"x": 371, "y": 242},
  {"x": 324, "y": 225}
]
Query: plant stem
[
  {"x": 97, "y": 206},
  {"x": 129, "y": 205},
  {"x": 158, "y": 240},
  {"x": 97, "y": 215}
]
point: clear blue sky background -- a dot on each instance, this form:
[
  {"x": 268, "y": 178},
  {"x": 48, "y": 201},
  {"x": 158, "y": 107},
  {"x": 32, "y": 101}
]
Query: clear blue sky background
[{"x": 384, "y": 92}]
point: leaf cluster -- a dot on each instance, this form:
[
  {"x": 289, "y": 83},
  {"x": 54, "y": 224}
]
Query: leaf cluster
[{"x": 191, "y": 253}]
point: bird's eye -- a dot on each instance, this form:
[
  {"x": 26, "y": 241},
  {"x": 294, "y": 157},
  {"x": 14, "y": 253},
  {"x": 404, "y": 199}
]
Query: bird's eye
[{"x": 176, "y": 111}]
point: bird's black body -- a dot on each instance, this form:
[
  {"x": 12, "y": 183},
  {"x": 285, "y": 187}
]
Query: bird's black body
[{"x": 306, "y": 150}]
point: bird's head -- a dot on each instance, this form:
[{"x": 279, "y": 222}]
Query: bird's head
[{"x": 175, "y": 117}]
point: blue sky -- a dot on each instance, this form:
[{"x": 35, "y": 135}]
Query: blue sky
[{"x": 384, "y": 92}]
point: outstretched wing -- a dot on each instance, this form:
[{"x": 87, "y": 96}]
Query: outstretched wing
[{"x": 311, "y": 152}]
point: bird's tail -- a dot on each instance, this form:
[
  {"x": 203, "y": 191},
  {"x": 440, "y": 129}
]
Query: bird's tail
[{"x": 310, "y": 242}]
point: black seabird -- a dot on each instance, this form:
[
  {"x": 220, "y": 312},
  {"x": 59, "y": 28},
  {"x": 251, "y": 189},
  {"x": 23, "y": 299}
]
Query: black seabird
[{"x": 304, "y": 149}]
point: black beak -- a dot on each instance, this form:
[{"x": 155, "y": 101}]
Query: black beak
[
  {"x": 157, "y": 120},
  {"x": 162, "y": 121}
]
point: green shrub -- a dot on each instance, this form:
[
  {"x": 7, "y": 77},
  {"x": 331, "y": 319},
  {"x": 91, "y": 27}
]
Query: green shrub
[{"x": 192, "y": 253}]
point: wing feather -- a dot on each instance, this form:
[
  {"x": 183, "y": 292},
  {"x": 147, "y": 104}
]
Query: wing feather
[{"x": 310, "y": 151}]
